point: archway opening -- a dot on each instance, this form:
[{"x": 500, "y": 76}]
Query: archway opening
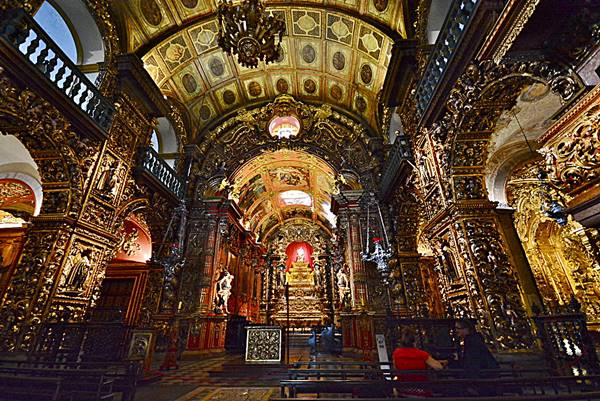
[
  {"x": 285, "y": 200},
  {"x": 20, "y": 200}
]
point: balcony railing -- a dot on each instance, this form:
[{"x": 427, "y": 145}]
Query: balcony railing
[
  {"x": 449, "y": 39},
  {"x": 401, "y": 152},
  {"x": 153, "y": 164},
  {"x": 26, "y": 37}
]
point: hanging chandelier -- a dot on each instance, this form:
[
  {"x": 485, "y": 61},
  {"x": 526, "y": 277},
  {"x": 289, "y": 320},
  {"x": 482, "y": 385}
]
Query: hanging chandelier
[
  {"x": 381, "y": 251},
  {"x": 247, "y": 30}
]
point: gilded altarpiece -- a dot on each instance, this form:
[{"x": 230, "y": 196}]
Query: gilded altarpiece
[
  {"x": 570, "y": 148},
  {"x": 465, "y": 231},
  {"x": 70, "y": 242},
  {"x": 561, "y": 257}
]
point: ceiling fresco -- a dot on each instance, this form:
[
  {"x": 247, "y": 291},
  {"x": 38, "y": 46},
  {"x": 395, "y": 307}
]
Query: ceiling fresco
[
  {"x": 331, "y": 55},
  {"x": 16, "y": 195},
  {"x": 283, "y": 186}
]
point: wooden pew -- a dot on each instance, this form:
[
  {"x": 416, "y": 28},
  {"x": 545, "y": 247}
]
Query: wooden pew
[
  {"x": 13, "y": 388},
  {"x": 345, "y": 373},
  {"x": 77, "y": 384},
  {"x": 382, "y": 387},
  {"x": 589, "y": 396},
  {"x": 125, "y": 375}
]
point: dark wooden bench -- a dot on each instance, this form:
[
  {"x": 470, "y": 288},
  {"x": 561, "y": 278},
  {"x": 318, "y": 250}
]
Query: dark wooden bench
[
  {"x": 383, "y": 387},
  {"x": 125, "y": 375},
  {"x": 319, "y": 373},
  {"x": 339, "y": 364},
  {"x": 589, "y": 396},
  {"x": 77, "y": 384},
  {"x": 13, "y": 388}
]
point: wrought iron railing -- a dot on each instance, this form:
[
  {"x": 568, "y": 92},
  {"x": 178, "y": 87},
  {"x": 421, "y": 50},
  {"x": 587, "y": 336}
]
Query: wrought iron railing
[
  {"x": 566, "y": 342},
  {"x": 449, "y": 39},
  {"x": 162, "y": 172},
  {"x": 28, "y": 38},
  {"x": 401, "y": 151},
  {"x": 85, "y": 341},
  {"x": 436, "y": 335}
]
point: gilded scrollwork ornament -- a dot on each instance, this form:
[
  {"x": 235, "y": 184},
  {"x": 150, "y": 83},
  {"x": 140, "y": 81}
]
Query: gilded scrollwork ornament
[
  {"x": 498, "y": 286},
  {"x": 573, "y": 160}
]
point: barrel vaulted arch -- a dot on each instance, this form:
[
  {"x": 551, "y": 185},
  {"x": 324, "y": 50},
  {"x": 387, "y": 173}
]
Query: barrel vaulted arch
[{"x": 337, "y": 54}]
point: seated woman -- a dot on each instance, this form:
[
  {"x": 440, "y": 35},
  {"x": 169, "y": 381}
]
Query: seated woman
[{"x": 407, "y": 357}]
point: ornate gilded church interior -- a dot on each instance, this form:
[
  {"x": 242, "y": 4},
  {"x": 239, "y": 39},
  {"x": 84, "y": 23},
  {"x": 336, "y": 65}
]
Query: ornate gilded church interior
[{"x": 270, "y": 199}]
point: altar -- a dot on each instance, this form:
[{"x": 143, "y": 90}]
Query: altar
[{"x": 306, "y": 308}]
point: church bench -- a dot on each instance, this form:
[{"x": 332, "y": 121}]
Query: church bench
[
  {"x": 77, "y": 384},
  {"x": 125, "y": 375},
  {"x": 509, "y": 385},
  {"x": 387, "y": 373},
  {"x": 318, "y": 364},
  {"x": 27, "y": 388},
  {"x": 588, "y": 396},
  {"x": 294, "y": 374}
]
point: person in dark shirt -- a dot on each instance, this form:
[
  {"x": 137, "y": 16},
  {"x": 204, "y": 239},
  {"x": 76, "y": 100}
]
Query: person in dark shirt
[{"x": 475, "y": 358}]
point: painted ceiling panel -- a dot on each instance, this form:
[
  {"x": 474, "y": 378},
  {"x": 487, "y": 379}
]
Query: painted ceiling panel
[{"x": 330, "y": 55}]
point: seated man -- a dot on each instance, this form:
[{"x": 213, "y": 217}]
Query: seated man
[
  {"x": 475, "y": 358},
  {"x": 327, "y": 336},
  {"x": 407, "y": 357}
]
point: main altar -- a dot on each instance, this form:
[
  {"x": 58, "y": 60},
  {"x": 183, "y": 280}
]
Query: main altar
[{"x": 306, "y": 308}]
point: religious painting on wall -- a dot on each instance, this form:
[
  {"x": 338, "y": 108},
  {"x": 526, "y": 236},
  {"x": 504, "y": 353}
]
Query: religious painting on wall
[{"x": 16, "y": 196}]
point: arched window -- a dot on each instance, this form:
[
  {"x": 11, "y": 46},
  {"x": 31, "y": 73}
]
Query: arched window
[
  {"x": 435, "y": 21},
  {"x": 154, "y": 143},
  {"x": 20, "y": 183},
  {"x": 164, "y": 141},
  {"x": 74, "y": 30},
  {"x": 55, "y": 25}
]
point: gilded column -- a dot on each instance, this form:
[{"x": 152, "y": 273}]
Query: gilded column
[{"x": 348, "y": 210}]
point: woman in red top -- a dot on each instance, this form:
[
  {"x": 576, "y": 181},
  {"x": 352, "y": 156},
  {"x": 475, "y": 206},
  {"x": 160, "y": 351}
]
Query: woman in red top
[{"x": 408, "y": 357}]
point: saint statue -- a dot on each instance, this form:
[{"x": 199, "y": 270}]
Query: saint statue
[
  {"x": 107, "y": 179},
  {"x": 74, "y": 277},
  {"x": 343, "y": 286},
  {"x": 224, "y": 290},
  {"x": 300, "y": 255}
]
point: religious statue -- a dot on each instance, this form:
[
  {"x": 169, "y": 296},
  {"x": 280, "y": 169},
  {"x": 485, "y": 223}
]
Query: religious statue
[
  {"x": 108, "y": 177},
  {"x": 75, "y": 274},
  {"x": 300, "y": 255},
  {"x": 224, "y": 290},
  {"x": 343, "y": 286},
  {"x": 317, "y": 274}
]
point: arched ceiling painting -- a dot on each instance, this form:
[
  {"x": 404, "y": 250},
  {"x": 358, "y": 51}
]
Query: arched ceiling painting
[
  {"x": 284, "y": 186},
  {"x": 335, "y": 51},
  {"x": 16, "y": 195}
]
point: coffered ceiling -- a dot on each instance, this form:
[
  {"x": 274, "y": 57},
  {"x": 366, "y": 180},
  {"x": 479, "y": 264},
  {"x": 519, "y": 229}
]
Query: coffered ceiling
[{"x": 335, "y": 51}]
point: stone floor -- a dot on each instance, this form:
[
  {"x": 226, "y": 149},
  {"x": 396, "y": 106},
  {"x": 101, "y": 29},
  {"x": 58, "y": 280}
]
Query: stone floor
[{"x": 218, "y": 378}]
